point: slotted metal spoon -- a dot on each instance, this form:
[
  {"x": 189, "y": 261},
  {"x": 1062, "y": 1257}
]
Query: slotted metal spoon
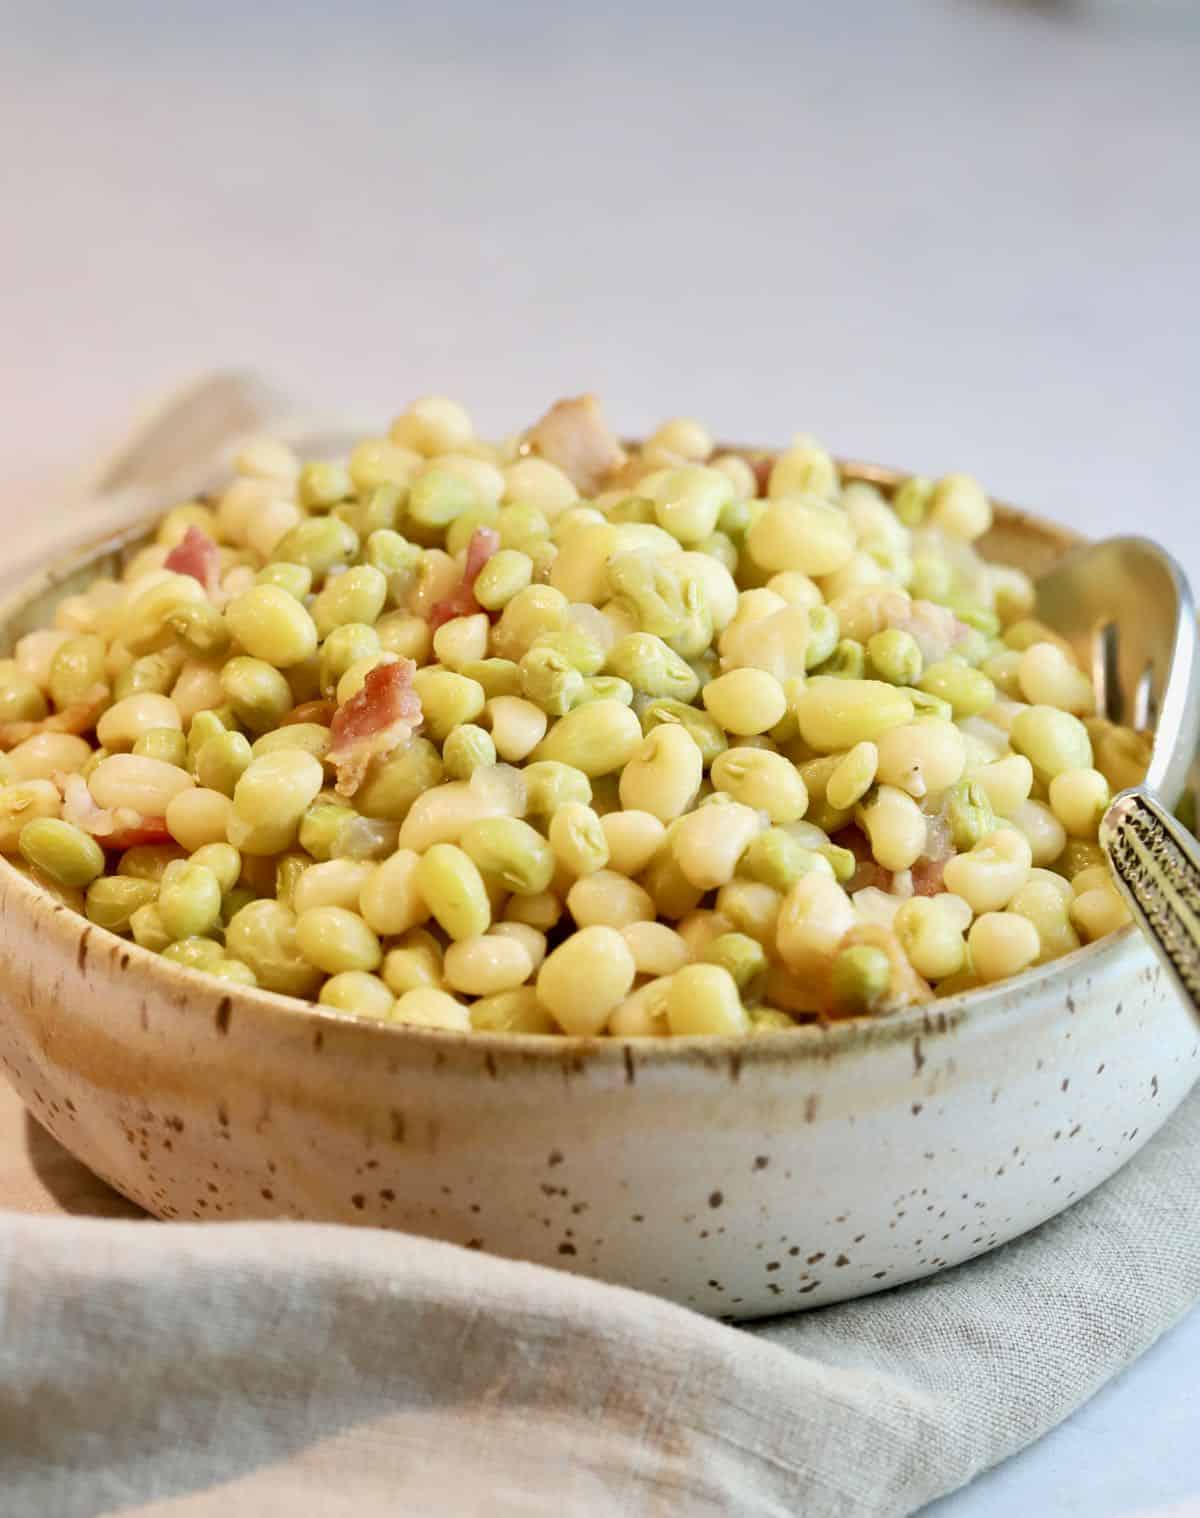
[{"x": 1125, "y": 607}]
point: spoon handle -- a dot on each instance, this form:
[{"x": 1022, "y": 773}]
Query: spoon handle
[{"x": 1156, "y": 862}]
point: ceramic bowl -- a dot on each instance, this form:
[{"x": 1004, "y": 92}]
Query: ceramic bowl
[{"x": 741, "y": 1178}]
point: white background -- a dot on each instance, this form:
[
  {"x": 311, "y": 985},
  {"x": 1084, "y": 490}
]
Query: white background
[{"x": 956, "y": 235}]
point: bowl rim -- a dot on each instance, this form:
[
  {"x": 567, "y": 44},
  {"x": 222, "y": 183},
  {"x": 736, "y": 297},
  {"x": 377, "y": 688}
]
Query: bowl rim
[{"x": 837, "y": 1036}]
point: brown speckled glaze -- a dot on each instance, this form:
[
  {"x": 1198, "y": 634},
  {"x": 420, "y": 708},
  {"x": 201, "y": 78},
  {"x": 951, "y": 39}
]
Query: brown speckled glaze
[{"x": 740, "y": 1178}]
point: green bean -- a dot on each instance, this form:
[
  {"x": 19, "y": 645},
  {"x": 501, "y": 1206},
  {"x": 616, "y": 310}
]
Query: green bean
[
  {"x": 453, "y": 890},
  {"x": 439, "y": 495},
  {"x": 743, "y": 956},
  {"x": 359, "y": 595},
  {"x": 847, "y": 662},
  {"x": 221, "y": 761},
  {"x": 498, "y": 677},
  {"x": 296, "y": 579},
  {"x": 550, "y": 681},
  {"x": 64, "y": 852},
  {"x": 860, "y": 979},
  {"x": 318, "y": 544},
  {"x": 391, "y": 787},
  {"x": 76, "y": 669},
  {"x": 511, "y": 852},
  {"x": 20, "y": 699},
  {"x": 165, "y": 743},
  {"x": 259, "y": 694},
  {"x": 113, "y": 899},
  {"x": 823, "y": 634},
  {"x": 911, "y": 500},
  {"x": 447, "y": 700},
  {"x": 146, "y": 926},
  {"x": 383, "y": 507},
  {"x": 467, "y": 749},
  {"x": 195, "y": 953},
  {"x": 970, "y": 815},
  {"x": 323, "y": 483},
  {"x": 705, "y": 731},
  {"x": 968, "y": 691},
  {"x": 155, "y": 673},
  {"x": 148, "y": 861},
  {"x": 550, "y": 784},
  {"x": 189, "y": 900},
  {"x": 652, "y": 668},
  {"x": 776, "y": 859},
  {"x": 605, "y": 688},
  {"x": 263, "y": 936},
  {"x": 201, "y": 628},
  {"x": 894, "y": 656}
]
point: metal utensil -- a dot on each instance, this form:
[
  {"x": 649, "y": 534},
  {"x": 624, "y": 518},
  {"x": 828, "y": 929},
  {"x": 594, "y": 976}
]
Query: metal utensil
[{"x": 1125, "y": 607}]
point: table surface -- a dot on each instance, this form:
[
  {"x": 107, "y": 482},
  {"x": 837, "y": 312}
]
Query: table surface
[{"x": 941, "y": 235}]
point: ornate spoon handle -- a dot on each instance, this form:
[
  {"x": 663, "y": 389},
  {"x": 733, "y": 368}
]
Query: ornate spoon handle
[{"x": 1156, "y": 862}]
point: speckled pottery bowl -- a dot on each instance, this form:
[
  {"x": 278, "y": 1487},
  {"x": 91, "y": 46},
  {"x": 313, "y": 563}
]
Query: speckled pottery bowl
[{"x": 739, "y": 1177}]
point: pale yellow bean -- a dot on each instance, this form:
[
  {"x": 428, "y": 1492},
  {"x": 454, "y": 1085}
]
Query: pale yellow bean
[
  {"x": 815, "y": 916},
  {"x": 708, "y": 842},
  {"x": 426, "y": 1007},
  {"x": 145, "y": 785},
  {"x": 633, "y": 839},
  {"x": 853, "y": 777},
  {"x": 745, "y": 701},
  {"x": 608, "y": 899},
  {"x": 643, "y": 1013},
  {"x": 922, "y": 757},
  {"x": 332, "y": 883},
  {"x": 835, "y": 714},
  {"x": 700, "y": 928},
  {"x": 1046, "y": 834},
  {"x": 1079, "y": 798},
  {"x": 656, "y": 948},
  {"x": 664, "y": 774},
  {"x": 1002, "y": 944},
  {"x": 578, "y": 839},
  {"x": 704, "y": 999},
  {"x": 487, "y": 964},
  {"x": 991, "y": 874},
  {"x": 390, "y": 900},
  {"x": 895, "y": 826},
  {"x": 1007, "y": 782},
  {"x": 517, "y": 726},
  {"x": 1098, "y": 912},
  {"x": 1049, "y": 677},
  {"x": 585, "y": 979},
  {"x": 47, "y": 754},
  {"x": 198, "y": 817},
  {"x": 531, "y": 939},
  {"x": 126, "y": 721}
]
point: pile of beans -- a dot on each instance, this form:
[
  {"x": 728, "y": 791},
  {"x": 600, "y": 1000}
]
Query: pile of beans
[{"x": 548, "y": 736}]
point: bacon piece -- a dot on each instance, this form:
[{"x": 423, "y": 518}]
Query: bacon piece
[
  {"x": 461, "y": 602},
  {"x": 197, "y": 555},
  {"x": 377, "y": 720},
  {"x": 78, "y": 718},
  {"x": 928, "y": 876},
  {"x": 574, "y": 435},
  {"x": 869, "y": 871},
  {"x": 149, "y": 830}
]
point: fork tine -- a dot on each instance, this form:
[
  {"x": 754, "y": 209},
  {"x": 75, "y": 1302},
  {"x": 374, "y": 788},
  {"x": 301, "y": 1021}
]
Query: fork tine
[{"x": 1106, "y": 670}]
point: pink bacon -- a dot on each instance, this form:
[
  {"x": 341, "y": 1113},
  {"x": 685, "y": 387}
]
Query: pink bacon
[
  {"x": 461, "y": 602},
  {"x": 197, "y": 555},
  {"x": 377, "y": 720}
]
